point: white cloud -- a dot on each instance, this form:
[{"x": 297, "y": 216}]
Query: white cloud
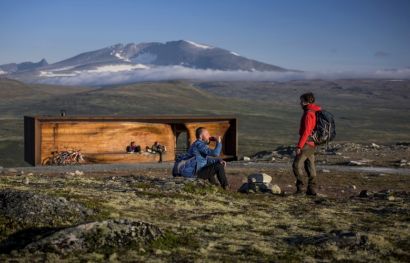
[{"x": 101, "y": 77}]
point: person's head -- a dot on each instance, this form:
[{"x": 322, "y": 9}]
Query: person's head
[
  {"x": 155, "y": 143},
  {"x": 132, "y": 143},
  {"x": 202, "y": 134},
  {"x": 307, "y": 98}
]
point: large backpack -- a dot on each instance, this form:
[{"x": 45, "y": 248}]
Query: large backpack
[
  {"x": 325, "y": 128},
  {"x": 185, "y": 165}
]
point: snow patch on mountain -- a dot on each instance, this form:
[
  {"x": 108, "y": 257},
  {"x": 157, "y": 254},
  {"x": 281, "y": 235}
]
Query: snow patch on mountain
[
  {"x": 234, "y": 53},
  {"x": 117, "y": 68},
  {"x": 2, "y": 72},
  {"x": 198, "y": 45},
  {"x": 101, "y": 69},
  {"x": 118, "y": 55}
]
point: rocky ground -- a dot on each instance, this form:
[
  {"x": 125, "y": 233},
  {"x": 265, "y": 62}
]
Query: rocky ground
[
  {"x": 354, "y": 154},
  {"x": 142, "y": 213}
]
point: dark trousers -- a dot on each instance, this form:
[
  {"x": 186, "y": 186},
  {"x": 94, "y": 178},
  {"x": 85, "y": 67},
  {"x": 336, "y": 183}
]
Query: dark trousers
[
  {"x": 305, "y": 161},
  {"x": 208, "y": 173}
]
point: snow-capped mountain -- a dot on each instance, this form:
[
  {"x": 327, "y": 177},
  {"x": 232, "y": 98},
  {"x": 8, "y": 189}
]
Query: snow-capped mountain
[{"x": 134, "y": 57}]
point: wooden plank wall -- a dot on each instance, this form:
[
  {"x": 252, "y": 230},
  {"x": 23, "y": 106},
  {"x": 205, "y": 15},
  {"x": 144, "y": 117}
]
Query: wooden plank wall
[
  {"x": 216, "y": 128},
  {"x": 106, "y": 138}
]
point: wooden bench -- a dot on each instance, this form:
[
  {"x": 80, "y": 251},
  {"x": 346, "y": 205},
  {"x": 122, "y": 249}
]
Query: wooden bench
[{"x": 121, "y": 157}]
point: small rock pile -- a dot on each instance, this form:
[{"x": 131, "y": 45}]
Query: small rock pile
[
  {"x": 403, "y": 163},
  {"x": 282, "y": 153},
  {"x": 260, "y": 183}
]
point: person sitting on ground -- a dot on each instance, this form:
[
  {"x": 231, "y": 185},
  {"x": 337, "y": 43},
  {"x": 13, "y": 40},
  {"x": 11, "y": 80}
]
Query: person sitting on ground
[
  {"x": 132, "y": 148},
  {"x": 206, "y": 165},
  {"x": 305, "y": 149},
  {"x": 158, "y": 148}
]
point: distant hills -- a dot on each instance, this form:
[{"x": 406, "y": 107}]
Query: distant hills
[
  {"x": 138, "y": 59},
  {"x": 21, "y": 67},
  {"x": 268, "y": 112}
]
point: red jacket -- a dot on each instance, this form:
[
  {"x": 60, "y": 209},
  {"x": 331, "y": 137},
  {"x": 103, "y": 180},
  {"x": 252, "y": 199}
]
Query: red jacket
[{"x": 307, "y": 124}]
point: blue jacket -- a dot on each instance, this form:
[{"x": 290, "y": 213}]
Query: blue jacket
[{"x": 202, "y": 154}]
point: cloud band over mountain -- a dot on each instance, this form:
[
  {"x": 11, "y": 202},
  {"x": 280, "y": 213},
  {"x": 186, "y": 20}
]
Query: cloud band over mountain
[{"x": 180, "y": 72}]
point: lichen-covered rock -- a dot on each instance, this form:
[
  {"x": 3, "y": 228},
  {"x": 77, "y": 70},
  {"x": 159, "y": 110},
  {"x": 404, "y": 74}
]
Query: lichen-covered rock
[
  {"x": 276, "y": 189},
  {"x": 32, "y": 209},
  {"x": 253, "y": 187},
  {"x": 95, "y": 236},
  {"x": 259, "y": 183}
]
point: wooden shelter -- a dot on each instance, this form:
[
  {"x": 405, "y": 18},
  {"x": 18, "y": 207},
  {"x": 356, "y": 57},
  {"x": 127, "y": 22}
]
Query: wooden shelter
[{"x": 103, "y": 139}]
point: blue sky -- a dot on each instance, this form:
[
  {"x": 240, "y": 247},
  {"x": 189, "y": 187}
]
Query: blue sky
[{"x": 311, "y": 35}]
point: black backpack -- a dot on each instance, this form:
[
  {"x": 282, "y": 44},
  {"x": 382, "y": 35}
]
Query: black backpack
[{"x": 325, "y": 129}]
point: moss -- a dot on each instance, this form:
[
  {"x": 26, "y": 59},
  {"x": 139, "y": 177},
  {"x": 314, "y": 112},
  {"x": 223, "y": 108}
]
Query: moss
[
  {"x": 170, "y": 241},
  {"x": 141, "y": 185},
  {"x": 7, "y": 227},
  {"x": 194, "y": 188},
  {"x": 204, "y": 223}
]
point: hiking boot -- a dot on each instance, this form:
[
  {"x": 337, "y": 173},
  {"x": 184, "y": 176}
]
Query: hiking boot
[
  {"x": 311, "y": 192},
  {"x": 299, "y": 191},
  {"x": 226, "y": 187}
]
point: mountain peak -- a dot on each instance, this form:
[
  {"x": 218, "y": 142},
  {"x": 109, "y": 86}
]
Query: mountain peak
[
  {"x": 43, "y": 62},
  {"x": 139, "y": 58}
]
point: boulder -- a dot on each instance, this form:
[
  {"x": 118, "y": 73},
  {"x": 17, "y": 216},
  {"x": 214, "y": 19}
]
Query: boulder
[
  {"x": 78, "y": 173},
  {"x": 263, "y": 155},
  {"x": 252, "y": 187},
  {"x": 114, "y": 234},
  {"x": 276, "y": 189},
  {"x": 375, "y": 146},
  {"x": 32, "y": 209},
  {"x": 26, "y": 181},
  {"x": 364, "y": 193},
  {"x": 246, "y": 158}
]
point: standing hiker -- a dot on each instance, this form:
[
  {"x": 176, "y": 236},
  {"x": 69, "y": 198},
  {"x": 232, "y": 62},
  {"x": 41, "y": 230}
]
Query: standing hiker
[{"x": 305, "y": 149}]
